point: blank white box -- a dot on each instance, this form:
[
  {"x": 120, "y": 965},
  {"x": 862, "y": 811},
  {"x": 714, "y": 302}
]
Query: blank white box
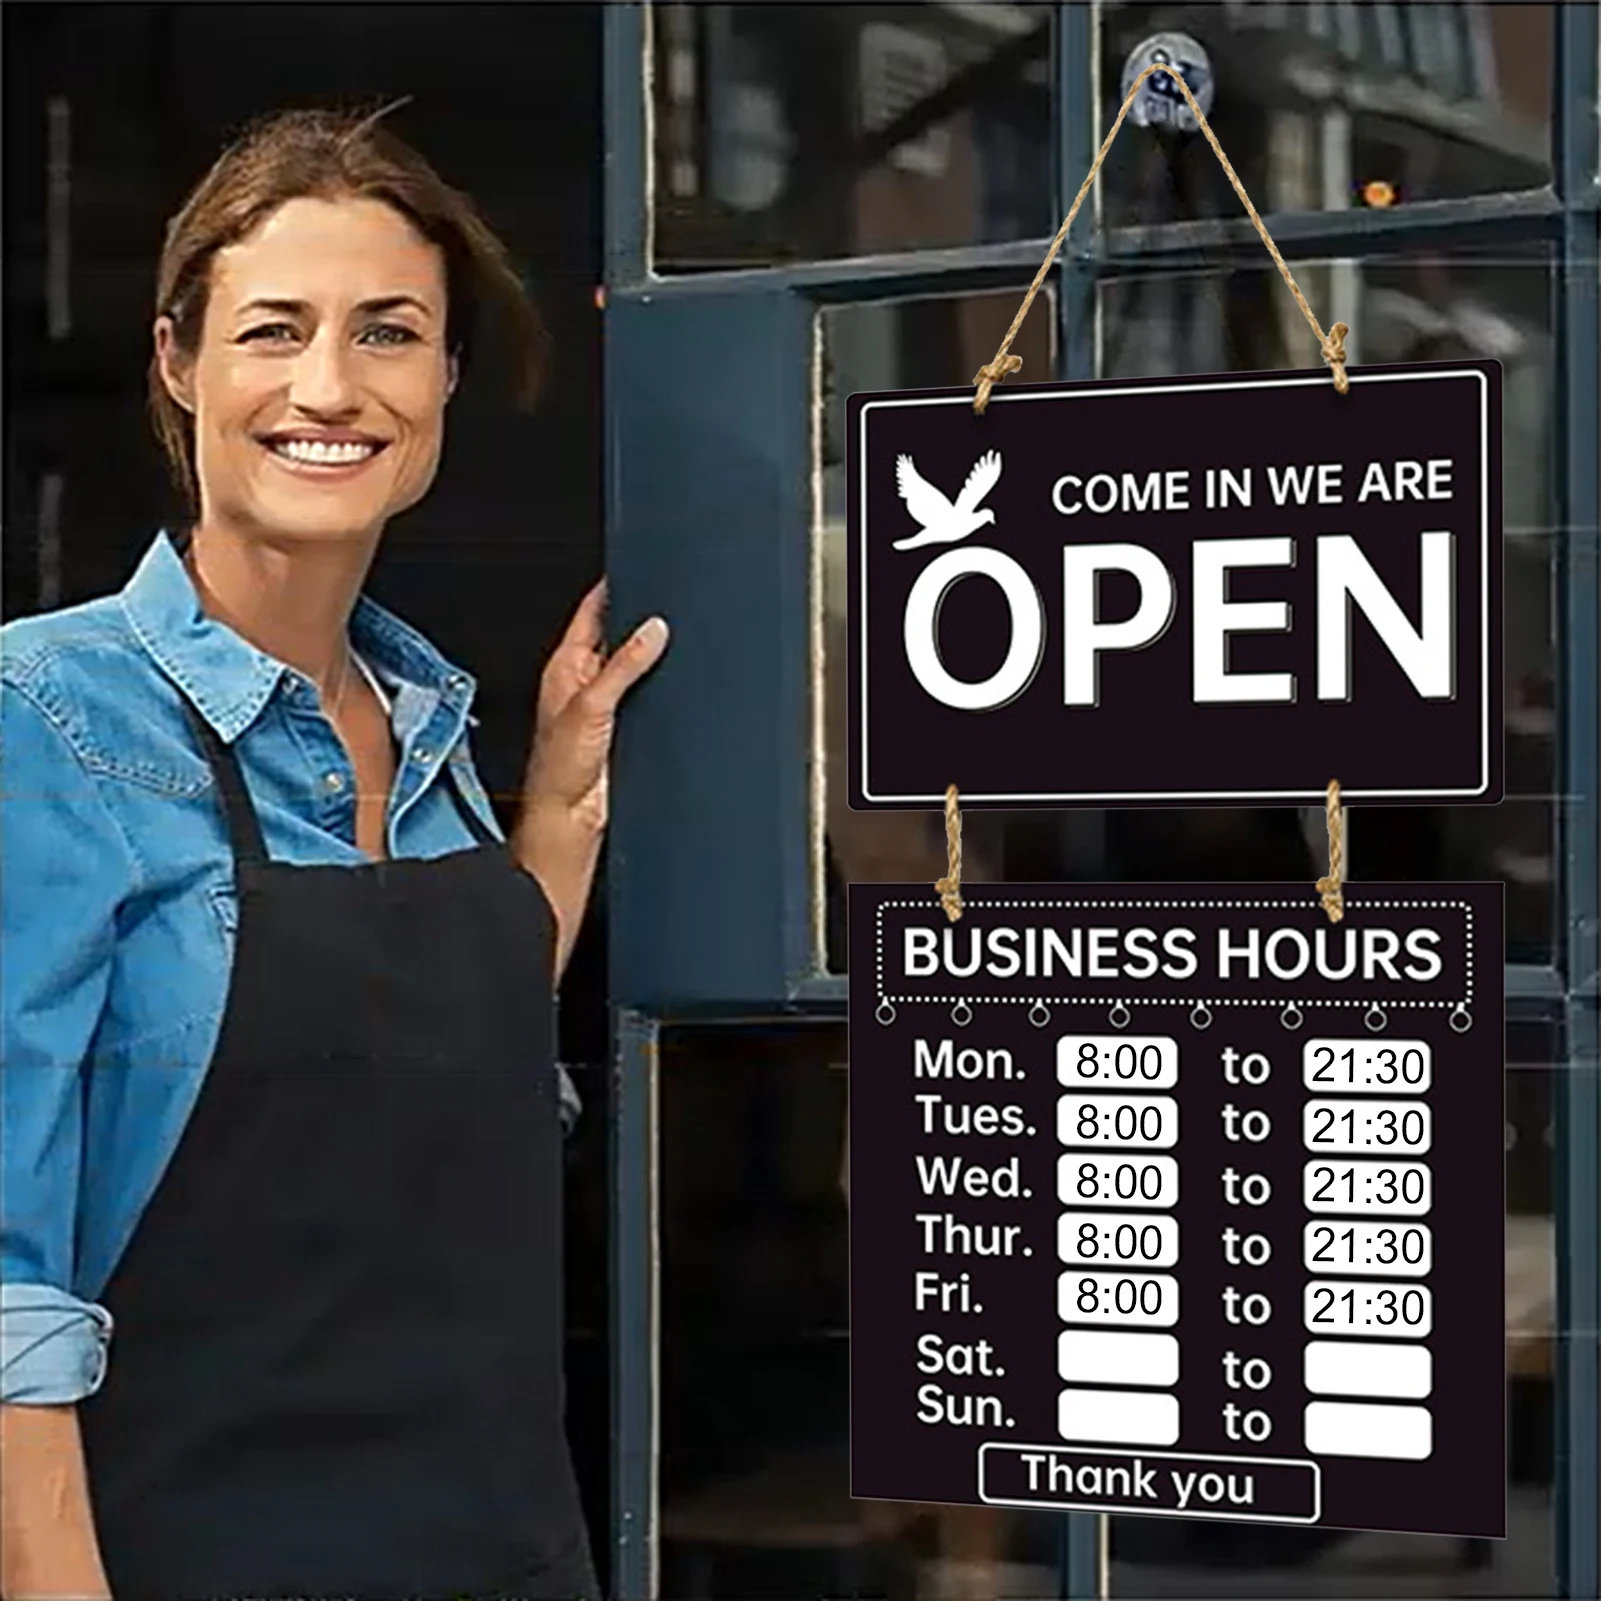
[
  {"x": 1347, "y": 1367},
  {"x": 1089, "y": 1356},
  {"x": 1118, "y": 1417},
  {"x": 1350, "y": 1428}
]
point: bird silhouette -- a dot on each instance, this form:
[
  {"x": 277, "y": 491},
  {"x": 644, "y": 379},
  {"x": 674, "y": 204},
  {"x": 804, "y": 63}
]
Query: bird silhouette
[{"x": 941, "y": 522}]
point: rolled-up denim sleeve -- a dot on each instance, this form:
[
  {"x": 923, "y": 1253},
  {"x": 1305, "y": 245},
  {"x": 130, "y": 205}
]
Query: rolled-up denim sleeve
[
  {"x": 52, "y": 1346},
  {"x": 67, "y": 869}
]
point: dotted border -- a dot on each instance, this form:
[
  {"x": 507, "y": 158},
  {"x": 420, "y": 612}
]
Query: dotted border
[{"x": 1465, "y": 1002}]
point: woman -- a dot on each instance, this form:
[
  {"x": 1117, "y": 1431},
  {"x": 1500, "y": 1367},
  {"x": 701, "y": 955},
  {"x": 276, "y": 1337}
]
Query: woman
[{"x": 281, "y": 1213}]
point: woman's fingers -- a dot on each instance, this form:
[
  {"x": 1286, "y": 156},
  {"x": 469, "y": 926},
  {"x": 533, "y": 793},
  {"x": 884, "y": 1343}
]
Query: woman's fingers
[
  {"x": 587, "y": 630},
  {"x": 627, "y": 665}
]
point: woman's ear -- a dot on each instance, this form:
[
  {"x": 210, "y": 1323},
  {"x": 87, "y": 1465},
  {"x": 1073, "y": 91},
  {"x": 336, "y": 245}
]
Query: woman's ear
[
  {"x": 177, "y": 369},
  {"x": 452, "y": 375}
]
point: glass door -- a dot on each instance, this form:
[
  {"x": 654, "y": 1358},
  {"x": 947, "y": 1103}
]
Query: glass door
[{"x": 806, "y": 201}]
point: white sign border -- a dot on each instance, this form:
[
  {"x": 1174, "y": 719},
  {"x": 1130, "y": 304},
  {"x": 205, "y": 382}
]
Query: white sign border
[
  {"x": 1133, "y": 902},
  {"x": 1307, "y": 796},
  {"x": 1065, "y": 1448}
]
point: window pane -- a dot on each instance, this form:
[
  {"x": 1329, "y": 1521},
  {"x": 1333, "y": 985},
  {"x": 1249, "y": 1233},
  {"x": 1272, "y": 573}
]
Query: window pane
[
  {"x": 1402, "y": 309},
  {"x": 754, "y": 1350},
  {"x": 773, "y": 130},
  {"x": 1154, "y": 1557},
  {"x": 906, "y": 344},
  {"x": 1325, "y": 106}
]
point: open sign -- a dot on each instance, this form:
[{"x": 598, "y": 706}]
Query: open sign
[{"x": 1221, "y": 590}]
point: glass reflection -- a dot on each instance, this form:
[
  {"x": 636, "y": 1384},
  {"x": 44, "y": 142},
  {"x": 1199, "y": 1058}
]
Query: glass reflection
[
  {"x": 754, "y": 1349},
  {"x": 905, "y": 344},
  {"x": 795, "y": 132},
  {"x": 1152, "y": 1558},
  {"x": 1402, "y": 309},
  {"x": 1328, "y": 106}
]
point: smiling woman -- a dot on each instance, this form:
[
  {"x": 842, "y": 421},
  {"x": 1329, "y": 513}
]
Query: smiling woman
[{"x": 285, "y": 1317}]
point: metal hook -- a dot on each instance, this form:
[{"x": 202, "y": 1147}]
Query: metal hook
[
  {"x": 1461, "y": 1018},
  {"x": 886, "y": 1012},
  {"x": 1039, "y": 1014},
  {"x": 1291, "y": 1017},
  {"x": 961, "y": 1014},
  {"x": 1201, "y": 1015},
  {"x": 1120, "y": 1015},
  {"x": 1375, "y": 1019}
]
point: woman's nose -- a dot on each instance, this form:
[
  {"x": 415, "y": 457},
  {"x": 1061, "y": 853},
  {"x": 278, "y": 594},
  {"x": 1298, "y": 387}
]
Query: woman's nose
[{"x": 324, "y": 378}]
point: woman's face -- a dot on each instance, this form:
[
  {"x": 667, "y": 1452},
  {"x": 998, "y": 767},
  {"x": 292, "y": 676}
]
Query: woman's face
[{"x": 319, "y": 387}]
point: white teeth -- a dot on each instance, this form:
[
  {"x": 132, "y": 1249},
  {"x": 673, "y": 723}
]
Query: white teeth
[{"x": 323, "y": 451}]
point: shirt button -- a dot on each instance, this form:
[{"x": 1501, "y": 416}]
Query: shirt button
[
  {"x": 456, "y": 682},
  {"x": 422, "y": 757},
  {"x": 333, "y": 782}
]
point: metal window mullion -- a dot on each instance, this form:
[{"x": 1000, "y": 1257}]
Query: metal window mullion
[
  {"x": 627, "y": 173},
  {"x": 1077, "y": 100},
  {"x": 1233, "y": 240},
  {"x": 1574, "y": 153},
  {"x": 856, "y": 279},
  {"x": 635, "y": 1302},
  {"x": 1084, "y": 1537},
  {"x": 1578, "y": 1087},
  {"x": 1535, "y": 983}
]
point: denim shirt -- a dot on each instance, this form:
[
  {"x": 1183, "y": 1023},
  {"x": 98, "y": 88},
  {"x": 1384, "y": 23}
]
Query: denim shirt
[{"x": 118, "y": 911}]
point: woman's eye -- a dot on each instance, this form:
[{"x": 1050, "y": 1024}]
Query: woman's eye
[
  {"x": 270, "y": 333},
  {"x": 389, "y": 333}
]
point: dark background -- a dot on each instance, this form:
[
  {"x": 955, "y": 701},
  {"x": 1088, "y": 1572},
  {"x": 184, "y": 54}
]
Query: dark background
[
  {"x": 492, "y": 563},
  {"x": 1460, "y": 1489}
]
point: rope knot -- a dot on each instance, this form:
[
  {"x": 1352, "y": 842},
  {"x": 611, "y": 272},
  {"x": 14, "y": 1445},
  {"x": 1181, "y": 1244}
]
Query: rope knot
[
  {"x": 990, "y": 374},
  {"x": 1333, "y": 898},
  {"x": 1334, "y": 355}
]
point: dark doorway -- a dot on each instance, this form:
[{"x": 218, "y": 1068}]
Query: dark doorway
[{"x": 111, "y": 113}]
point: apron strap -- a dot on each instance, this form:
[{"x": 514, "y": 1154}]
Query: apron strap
[{"x": 244, "y": 827}]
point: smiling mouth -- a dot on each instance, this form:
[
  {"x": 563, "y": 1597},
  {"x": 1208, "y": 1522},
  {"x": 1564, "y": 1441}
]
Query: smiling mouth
[{"x": 324, "y": 453}]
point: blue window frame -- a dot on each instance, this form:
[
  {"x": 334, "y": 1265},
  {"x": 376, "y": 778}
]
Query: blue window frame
[{"x": 715, "y": 876}]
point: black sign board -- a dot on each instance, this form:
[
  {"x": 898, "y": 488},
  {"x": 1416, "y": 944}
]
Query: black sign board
[
  {"x": 1181, "y": 1200},
  {"x": 1181, "y": 591}
]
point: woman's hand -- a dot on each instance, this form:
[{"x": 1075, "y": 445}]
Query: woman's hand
[{"x": 564, "y": 803}]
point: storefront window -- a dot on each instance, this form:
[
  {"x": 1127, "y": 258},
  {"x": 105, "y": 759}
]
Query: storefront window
[
  {"x": 929, "y": 343},
  {"x": 1152, "y": 1558},
  {"x": 1420, "y": 307},
  {"x": 1324, "y": 107},
  {"x": 755, "y": 1348},
  {"x": 775, "y": 130}
]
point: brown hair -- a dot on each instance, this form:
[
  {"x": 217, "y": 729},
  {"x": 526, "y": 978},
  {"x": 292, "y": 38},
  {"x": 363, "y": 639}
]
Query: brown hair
[{"x": 330, "y": 154}]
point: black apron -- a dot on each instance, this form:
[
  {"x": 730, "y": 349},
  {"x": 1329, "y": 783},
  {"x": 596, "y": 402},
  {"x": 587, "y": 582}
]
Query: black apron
[{"x": 336, "y": 1365}]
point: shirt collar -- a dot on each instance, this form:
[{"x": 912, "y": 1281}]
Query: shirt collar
[{"x": 229, "y": 680}]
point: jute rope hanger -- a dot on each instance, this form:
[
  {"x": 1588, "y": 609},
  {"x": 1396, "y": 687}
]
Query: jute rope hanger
[
  {"x": 1331, "y": 346},
  {"x": 1330, "y": 888}
]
